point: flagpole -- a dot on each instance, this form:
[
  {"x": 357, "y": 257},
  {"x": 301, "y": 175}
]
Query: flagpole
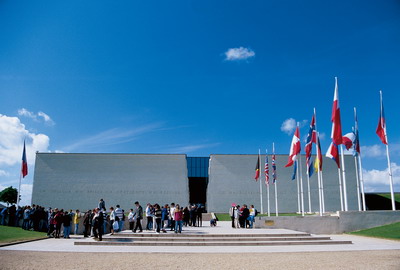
[
  {"x": 344, "y": 179},
  {"x": 309, "y": 193},
  {"x": 19, "y": 189},
  {"x": 275, "y": 183},
  {"x": 268, "y": 207},
  {"x": 301, "y": 181},
  {"x": 358, "y": 157},
  {"x": 362, "y": 183},
  {"x": 319, "y": 172},
  {"x": 340, "y": 188},
  {"x": 259, "y": 166},
  {"x": 322, "y": 192},
  {"x": 298, "y": 187},
  {"x": 388, "y": 160},
  {"x": 358, "y": 184}
]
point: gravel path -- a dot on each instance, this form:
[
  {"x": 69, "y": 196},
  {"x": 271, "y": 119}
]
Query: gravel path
[{"x": 388, "y": 259}]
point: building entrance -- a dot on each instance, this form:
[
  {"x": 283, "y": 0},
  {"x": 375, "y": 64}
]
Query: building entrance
[{"x": 198, "y": 179}]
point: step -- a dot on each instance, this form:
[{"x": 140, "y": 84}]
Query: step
[
  {"x": 247, "y": 243},
  {"x": 198, "y": 235},
  {"x": 211, "y": 239}
]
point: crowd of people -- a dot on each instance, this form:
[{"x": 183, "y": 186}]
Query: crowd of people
[
  {"x": 98, "y": 221},
  {"x": 241, "y": 216}
]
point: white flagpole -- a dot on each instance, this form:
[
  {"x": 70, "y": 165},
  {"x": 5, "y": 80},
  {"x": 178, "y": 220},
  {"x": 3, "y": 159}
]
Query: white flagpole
[
  {"x": 388, "y": 160},
  {"x": 301, "y": 182},
  {"x": 298, "y": 187},
  {"x": 259, "y": 166},
  {"x": 275, "y": 183},
  {"x": 358, "y": 157},
  {"x": 362, "y": 183},
  {"x": 322, "y": 192},
  {"x": 19, "y": 189},
  {"x": 358, "y": 184},
  {"x": 319, "y": 173},
  {"x": 309, "y": 193},
  {"x": 341, "y": 191},
  {"x": 269, "y": 211},
  {"x": 344, "y": 180}
]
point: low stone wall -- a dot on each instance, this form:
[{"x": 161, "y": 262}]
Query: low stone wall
[{"x": 343, "y": 222}]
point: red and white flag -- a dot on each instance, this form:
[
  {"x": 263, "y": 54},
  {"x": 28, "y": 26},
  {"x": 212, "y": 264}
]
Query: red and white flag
[
  {"x": 336, "y": 134},
  {"x": 295, "y": 148},
  {"x": 348, "y": 140},
  {"x": 333, "y": 153}
]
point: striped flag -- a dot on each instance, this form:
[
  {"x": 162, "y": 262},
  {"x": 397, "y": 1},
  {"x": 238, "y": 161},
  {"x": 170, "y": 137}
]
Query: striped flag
[
  {"x": 318, "y": 159},
  {"x": 274, "y": 177},
  {"x": 266, "y": 170},
  {"x": 336, "y": 134},
  {"x": 24, "y": 167},
  {"x": 381, "y": 129},
  {"x": 348, "y": 140},
  {"x": 257, "y": 175}
]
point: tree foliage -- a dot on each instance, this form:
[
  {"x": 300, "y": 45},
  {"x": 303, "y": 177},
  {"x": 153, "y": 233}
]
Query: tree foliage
[{"x": 9, "y": 195}]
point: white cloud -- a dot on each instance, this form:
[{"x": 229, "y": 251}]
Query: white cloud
[
  {"x": 375, "y": 180},
  {"x": 12, "y": 134},
  {"x": 4, "y": 173},
  {"x": 373, "y": 151},
  {"x": 241, "y": 53},
  {"x": 36, "y": 117},
  {"x": 288, "y": 126}
]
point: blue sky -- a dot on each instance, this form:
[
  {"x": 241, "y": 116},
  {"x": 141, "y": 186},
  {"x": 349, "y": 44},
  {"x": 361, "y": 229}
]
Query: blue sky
[{"x": 194, "y": 77}]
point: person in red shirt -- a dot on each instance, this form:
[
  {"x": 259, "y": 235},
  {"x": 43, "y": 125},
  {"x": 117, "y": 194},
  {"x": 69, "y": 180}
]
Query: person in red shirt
[{"x": 178, "y": 219}]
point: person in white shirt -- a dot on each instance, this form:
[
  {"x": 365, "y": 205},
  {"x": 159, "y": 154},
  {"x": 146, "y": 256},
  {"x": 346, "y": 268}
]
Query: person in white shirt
[{"x": 172, "y": 216}]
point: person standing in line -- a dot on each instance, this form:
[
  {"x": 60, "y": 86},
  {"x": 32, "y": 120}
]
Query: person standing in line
[
  {"x": 98, "y": 219},
  {"x": 112, "y": 220},
  {"x": 149, "y": 217},
  {"x": 158, "y": 216},
  {"x": 172, "y": 216},
  {"x": 139, "y": 217},
  {"x": 178, "y": 217},
  {"x": 25, "y": 223},
  {"x": 105, "y": 216},
  {"x": 131, "y": 219},
  {"x": 252, "y": 215},
  {"x": 102, "y": 205},
  {"x": 67, "y": 224},
  {"x": 165, "y": 217},
  {"x": 77, "y": 219},
  {"x": 237, "y": 216},
  {"x": 193, "y": 217},
  {"x": 119, "y": 215},
  {"x": 58, "y": 220},
  {"x": 87, "y": 223},
  {"x": 232, "y": 214}
]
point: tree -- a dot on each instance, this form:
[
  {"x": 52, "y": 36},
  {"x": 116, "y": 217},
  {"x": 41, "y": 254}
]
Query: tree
[{"x": 9, "y": 195}]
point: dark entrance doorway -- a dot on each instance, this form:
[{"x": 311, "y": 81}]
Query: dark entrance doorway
[
  {"x": 198, "y": 190},
  {"x": 198, "y": 179}
]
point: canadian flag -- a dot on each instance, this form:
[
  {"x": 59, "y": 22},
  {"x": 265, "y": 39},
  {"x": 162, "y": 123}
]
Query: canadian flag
[
  {"x": 295, "y": 148},
  {"x": 348, "y": 140}
]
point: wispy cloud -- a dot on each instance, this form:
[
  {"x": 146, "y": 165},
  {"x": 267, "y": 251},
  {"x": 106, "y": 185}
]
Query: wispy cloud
[
  {"x": 111, "y": 137},
  {"x": 40, "y": 116},
  {"x": 241, "y": 53},
  {"x": 184, "y": 149}
]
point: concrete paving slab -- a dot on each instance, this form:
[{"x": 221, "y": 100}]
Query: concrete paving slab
[{"x": 67, "y": 245}]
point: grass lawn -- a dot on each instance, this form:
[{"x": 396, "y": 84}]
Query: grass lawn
[
  {"x": 391, "y": 231},
  {"x": 387, "y": 195},
  {"x": 14, "y": 234}
]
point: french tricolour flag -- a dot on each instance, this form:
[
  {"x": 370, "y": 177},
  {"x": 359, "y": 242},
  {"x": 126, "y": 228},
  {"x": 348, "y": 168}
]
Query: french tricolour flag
[
  {"x": 295, "y": 148},
  {"x": 381, "y": 129},
  {"x": 336, "y": 134}
]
